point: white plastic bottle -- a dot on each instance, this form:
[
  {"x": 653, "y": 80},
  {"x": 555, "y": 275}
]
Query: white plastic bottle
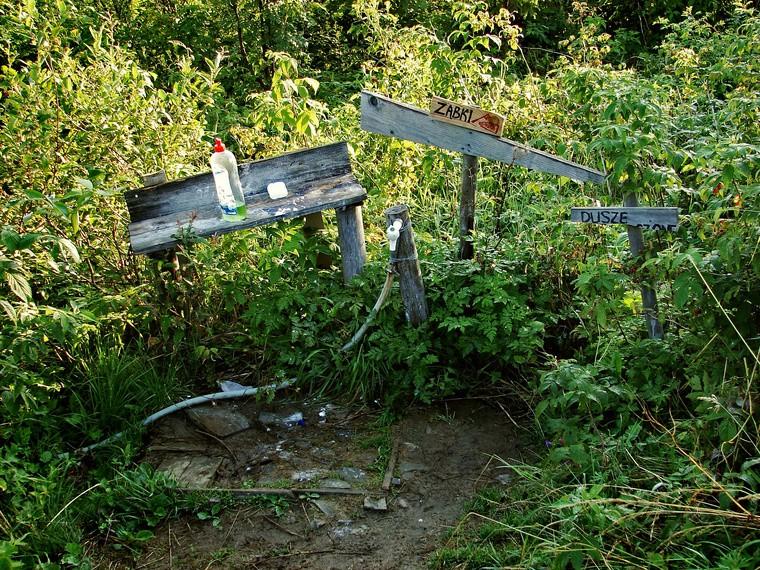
[{"x": 227, "y": 182}]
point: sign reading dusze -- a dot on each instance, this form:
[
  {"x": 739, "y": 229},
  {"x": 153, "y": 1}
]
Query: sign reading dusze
[
  {"x": 647, "y": 218},
  {"x": 466, "y": 116}
]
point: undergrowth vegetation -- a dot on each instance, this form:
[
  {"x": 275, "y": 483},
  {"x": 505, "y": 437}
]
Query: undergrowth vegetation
[{"x": 650, "y": 449}]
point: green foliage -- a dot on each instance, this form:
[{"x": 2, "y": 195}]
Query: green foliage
[{"x": 643, "y": 438}]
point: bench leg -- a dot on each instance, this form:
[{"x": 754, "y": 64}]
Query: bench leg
[
  {"x": 313, "y": 225},
  {"x": 351, "y": 234}
]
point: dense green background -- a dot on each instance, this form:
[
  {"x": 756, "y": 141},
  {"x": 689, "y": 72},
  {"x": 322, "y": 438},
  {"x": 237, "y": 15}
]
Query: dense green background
[{"x": 651, "y": 448}]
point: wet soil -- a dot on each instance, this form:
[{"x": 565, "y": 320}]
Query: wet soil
[{"x": 445, "y": 454}]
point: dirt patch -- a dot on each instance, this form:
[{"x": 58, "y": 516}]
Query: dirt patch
[{"x": 445, "y": 454}]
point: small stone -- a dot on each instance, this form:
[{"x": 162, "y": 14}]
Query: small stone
[
  {"x": 326, "y": 507},
  {"x": 302, "y": 444},
  {"x": 408, "y": 467},
  {"x": 334, "y": 484},
  {"x": 307, "y": 475},
  {"x": 428, "y": 430},
  {"x": 317, "y": 524},
  {"x": 352, "y": 474},
  {"x": 219, "y": 421},
  {"x": 403, "y": 503},
  {"x": 344, "y": 528},
  {"x": 395, "y": 481},
  {"x": 504, "y": 478},
  {"x": 375, "y": 504},
  {"x": 322, "y": 453}
]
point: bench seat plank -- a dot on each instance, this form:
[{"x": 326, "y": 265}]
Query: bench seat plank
[{"x": 317, "y": 179}]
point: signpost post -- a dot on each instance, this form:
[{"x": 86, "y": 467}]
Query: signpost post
[{"x": 635, "y": 218}]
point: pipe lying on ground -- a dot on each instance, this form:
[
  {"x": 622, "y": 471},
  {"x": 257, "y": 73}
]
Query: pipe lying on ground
[{"x": 197, "y": 401}]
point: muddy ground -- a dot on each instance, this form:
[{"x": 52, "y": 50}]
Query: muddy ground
[{"x": 445, "y": 453}]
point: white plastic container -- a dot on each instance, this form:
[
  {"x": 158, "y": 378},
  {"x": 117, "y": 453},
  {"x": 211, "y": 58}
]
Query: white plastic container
[{"x": 228, "y": 191}]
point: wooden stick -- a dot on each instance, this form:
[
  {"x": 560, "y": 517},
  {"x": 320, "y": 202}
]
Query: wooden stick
[
  {"x": 408, "y": 266},
  {"x": 391, "y": 465},
  {"x": 467, "y": 205},
  {"x": 227, "y": 447},
  {"x": 282, "y": 528}
]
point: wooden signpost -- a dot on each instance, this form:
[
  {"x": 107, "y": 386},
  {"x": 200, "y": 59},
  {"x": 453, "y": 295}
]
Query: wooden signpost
[
  {"x": 445, "y": 127},
  {"x": 635, "y": 218},
  {"x": 647, "y": 218},
  {"x": 462, "y": 128}
]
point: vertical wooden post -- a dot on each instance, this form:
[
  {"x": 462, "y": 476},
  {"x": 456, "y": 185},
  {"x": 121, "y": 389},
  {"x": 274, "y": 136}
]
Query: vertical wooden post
[
  {"x": 408, "y": 266},
  {"x": 467, "y": 205},
  {"x": 648, "y": 295},
  {"x": 351, "y": 235},
  {"x": 312, "y": 226}
]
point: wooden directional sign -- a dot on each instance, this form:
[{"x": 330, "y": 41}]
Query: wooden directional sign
[
  {"x": 387, "y": 117},
  {"x": 466, "y": 116},
  {"x": 647, "y": 218}
]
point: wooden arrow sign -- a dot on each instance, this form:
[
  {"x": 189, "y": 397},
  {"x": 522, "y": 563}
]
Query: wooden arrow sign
[
  {"x": 387, "y": 117},
  {"x": 466, "y": 116},
  {"x": 647, "y": 218}
]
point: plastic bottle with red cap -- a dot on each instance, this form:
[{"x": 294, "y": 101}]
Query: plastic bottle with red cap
[{"x": 228, "y": 191}]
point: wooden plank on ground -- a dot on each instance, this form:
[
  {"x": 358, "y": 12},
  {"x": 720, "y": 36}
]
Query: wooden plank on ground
[
  {"x": 647, "y": 218},
  {"x": 317, "y": 179},
  {"x": 382, "y": 115}
]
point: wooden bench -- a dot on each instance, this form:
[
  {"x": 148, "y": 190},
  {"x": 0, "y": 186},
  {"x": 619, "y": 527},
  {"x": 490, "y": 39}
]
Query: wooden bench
[{"x": 317, "y": 179}]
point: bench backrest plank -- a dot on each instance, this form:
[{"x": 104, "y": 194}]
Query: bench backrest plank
[{"x": 317, "y": 179}]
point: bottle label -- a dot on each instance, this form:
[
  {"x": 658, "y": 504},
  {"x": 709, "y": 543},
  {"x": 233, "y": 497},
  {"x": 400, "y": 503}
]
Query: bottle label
[{"x": 224, "y": 191}]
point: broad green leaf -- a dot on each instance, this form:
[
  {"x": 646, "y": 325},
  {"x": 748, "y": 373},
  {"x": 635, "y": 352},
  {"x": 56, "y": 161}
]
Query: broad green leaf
[
  {"x": 84, "y": 183},
  {"x": 69, "y": 246},
  {"x": 19, "y": 285},
  {"x": 9, "y": 310},
  {"x": 34, "y": 195}
]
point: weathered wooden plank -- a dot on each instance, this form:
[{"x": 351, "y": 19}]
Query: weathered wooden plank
[
  {"x": 299, "y": 170},
  {"x": 384, "y": 116},
  {"x": 466, "y": 116},
  {"x": 647, "y": 218},
  {"x": 317, "y": 179},
  {"x": 159, "y": 233}
]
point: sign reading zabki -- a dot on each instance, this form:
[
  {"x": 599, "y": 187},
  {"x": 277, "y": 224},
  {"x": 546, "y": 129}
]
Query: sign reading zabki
[{"x": 466, "y": 116}]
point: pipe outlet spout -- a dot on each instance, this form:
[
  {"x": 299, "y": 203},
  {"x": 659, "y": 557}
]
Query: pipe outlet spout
[{"x": 394, "y": 231}]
